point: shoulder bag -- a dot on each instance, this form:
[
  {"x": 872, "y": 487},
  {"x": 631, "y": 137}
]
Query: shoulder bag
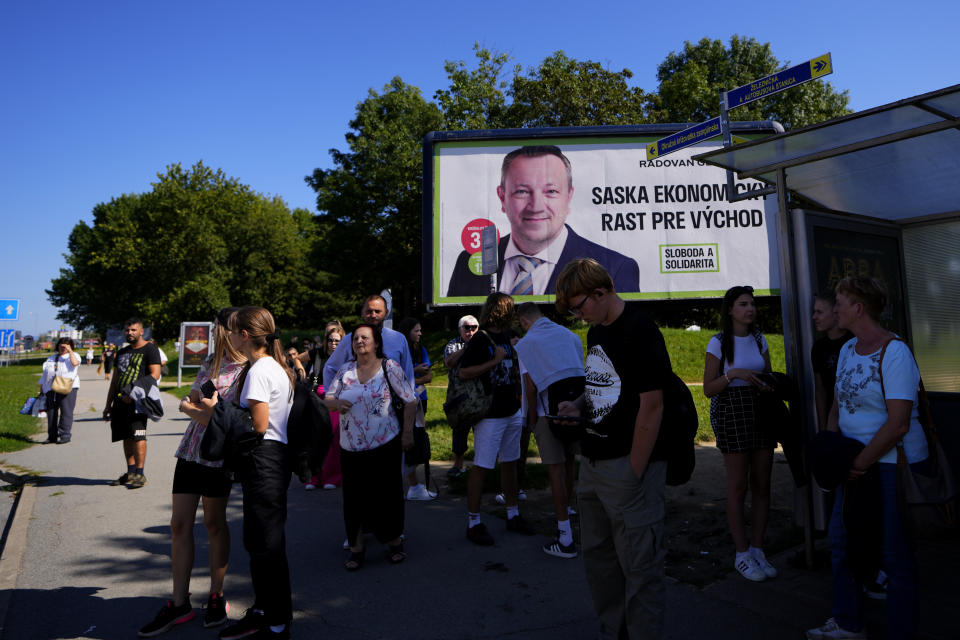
[
  {"x": 927, "y": 500},
  {"x": 468, "y": 401},
  {"x": 61, "y": 384}
]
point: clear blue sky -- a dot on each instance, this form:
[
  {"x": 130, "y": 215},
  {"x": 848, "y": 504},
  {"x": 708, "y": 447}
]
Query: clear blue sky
[{"x": 98, "y": 97}]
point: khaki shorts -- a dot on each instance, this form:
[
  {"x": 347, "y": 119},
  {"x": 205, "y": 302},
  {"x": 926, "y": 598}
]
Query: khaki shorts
[{"x": 552, "y": 451}]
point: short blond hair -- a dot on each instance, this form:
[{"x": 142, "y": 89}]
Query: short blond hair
[
  {"x": 581, "y": 277},
  {"x": 867, "y": 291}
]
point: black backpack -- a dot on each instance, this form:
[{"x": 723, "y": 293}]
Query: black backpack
[
  {"x": 309, "y": 432},
  {"x": 678, "y": 432}
]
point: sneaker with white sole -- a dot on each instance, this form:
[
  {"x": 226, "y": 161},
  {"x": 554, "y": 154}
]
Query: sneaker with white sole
[
  {"x": 832, "y": 630},
  {"x": 748, "y": 567},
  {"x": 420, "y": 492},
  {"x": 554, "y": 548},
  {"x": 501, "y": 498},
  {"x": 768, "y": 569}
]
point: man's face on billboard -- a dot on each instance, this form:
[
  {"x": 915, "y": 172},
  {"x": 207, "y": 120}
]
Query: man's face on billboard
[{"x": 536, "y": 198}]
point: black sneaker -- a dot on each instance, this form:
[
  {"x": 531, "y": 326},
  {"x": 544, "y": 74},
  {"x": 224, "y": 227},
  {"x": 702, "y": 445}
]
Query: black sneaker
[
  {"x": 169, "y": 617},
  {"x": 478, "y": 534},
  {"x": 518, "y": 525},
  {"x": 122, "y": 480},
  {"x": 217, "y": 609},
  {"x": 558, "y": 550},
  {"x": 251, "y": 622}
]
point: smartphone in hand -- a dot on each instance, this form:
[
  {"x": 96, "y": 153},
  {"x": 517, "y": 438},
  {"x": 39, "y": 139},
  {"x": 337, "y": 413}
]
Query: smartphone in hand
[{"x": 208, "y": 389}]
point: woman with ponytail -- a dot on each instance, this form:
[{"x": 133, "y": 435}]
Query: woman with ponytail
[
  {"x": 265, "y": 387},
  {"x": 194, "y": 479}
]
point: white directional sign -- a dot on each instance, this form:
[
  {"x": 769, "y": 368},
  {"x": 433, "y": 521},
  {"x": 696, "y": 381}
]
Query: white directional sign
[{"x": 9, "y": 309}]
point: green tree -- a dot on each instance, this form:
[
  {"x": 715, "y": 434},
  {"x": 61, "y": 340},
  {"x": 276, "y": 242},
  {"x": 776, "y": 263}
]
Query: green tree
[
  {"x": 691, "y": 82},
  {"x": 369, "y": 202},
  {"x": 196, "y": 242},
  {"x": 476, "y": 98},
  {"x": 564, "y": 92}
]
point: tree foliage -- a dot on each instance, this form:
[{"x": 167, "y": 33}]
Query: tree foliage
[
  {"x": 691, "y": 81},
  {"x": 196, "y": 242}
]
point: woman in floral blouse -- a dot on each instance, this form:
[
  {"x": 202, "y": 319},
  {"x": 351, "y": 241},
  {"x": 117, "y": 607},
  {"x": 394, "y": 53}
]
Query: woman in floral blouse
[
  {"x": 195, "y": 479},
  {"x": 371, "y": 440}
]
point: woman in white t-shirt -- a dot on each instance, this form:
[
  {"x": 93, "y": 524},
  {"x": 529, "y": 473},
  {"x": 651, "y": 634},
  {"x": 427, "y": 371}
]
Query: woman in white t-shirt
[
  {"x": 64, "y": 363},
  {"x": 735, "y": 357},
  {"x": 875, "y": 402},
  {"x": 266, "y": 388}
]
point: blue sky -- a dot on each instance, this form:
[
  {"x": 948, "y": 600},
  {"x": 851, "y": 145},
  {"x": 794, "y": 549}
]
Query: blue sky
[{"x": 98, "y": 97}]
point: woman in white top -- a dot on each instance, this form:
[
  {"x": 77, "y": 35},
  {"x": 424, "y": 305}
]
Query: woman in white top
[
  {"x": 371, "y": 439},
  {"x": 64, "y": 363},
  {"x": 735, "y": 357},
  {"x": 876, "y": 403},
  {"x": 266, "y": 388}
]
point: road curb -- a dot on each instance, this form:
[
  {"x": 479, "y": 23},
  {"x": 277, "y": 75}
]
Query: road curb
[{"x": 13, "y": 549}]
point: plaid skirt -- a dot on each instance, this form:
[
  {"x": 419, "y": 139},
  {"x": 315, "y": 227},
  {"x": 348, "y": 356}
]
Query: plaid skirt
[{"x": 733, "y": 418}]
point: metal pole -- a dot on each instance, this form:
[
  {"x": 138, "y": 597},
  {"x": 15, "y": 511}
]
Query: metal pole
[{"x": 790, "y": 311}]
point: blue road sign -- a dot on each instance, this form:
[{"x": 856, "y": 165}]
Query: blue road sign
[
  {"x": 7, "y": 338},
  {"x": 777, "y": 82},
  {"x": 690, "y": 136},
  {"x": 10, "y": 309}
]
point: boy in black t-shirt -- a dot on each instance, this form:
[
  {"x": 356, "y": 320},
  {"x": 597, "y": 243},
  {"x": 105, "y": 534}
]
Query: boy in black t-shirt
[
  {"x": 825, "y": 353},
  {"x": 139, "y": 358},
  {"x": 621, "y": 488}
]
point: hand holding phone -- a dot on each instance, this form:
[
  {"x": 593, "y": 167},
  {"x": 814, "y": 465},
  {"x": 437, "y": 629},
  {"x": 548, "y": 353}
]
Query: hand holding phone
[{"x": 208, "y": 389}]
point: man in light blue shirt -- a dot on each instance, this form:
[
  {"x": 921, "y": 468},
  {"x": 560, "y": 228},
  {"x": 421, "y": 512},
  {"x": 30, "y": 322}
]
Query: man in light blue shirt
[{"x": 394, "y": 343}]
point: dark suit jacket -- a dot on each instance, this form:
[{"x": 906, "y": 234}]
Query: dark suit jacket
[{"x": 624, "y": 271}]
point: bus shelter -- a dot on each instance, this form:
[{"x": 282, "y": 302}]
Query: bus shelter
[{"x": 873, "y": 193}]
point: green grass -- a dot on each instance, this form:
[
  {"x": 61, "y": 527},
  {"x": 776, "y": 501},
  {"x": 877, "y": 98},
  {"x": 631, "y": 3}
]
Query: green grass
[
  {"x": 17, "y": 383},
  {"x": 687, "y": 351}
]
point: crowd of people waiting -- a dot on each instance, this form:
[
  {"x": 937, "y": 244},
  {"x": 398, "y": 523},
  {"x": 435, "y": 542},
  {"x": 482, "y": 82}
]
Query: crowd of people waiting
[{"x": 372, "y": 380}]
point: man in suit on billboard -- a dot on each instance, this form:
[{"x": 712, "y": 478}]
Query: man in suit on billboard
[{"x": 536, "y": 186}]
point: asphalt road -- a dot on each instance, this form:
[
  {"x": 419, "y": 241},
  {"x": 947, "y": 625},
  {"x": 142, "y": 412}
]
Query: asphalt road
[{"x": 87, "y": 560}]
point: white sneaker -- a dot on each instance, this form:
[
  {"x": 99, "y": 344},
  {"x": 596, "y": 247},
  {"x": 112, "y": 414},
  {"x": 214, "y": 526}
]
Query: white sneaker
[
  {"x": 329, "y": 487},
  {"x": 346, "y": 544},
  {"x": 420, "y": 492},
  {"x": 768, "y": 569},
  {"x": 309, "y": 486},
  {"x": 832, "y": 630},
  {"x": 501, "y": 497},
  {"x": 571, "y": 511},
  {"x": 748, "y": 567}
]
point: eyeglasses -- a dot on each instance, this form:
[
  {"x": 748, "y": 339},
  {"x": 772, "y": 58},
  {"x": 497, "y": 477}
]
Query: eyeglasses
[
  {"x": 574, "y": 310},
  {"x": 469, "y": 327},
  {"x": 333, "y": 340}
]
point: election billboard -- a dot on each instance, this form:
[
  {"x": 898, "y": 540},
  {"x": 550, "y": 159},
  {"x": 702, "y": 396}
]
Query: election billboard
[{"x": 662, "y": 227}]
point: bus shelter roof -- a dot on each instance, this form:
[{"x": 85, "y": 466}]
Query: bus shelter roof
[{"x": 898, "y": 162}]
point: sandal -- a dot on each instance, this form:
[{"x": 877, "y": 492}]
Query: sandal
[
  {"x": 397, "y": 554},
  {"x": 355, "y": 560}
]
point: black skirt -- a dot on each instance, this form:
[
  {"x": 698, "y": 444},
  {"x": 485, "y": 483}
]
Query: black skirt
[
  {"x": 733, "y": 416},
  {"x": 373, "y": 492}
]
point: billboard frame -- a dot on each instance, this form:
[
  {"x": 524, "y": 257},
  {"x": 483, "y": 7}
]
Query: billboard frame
[{"x": 546, "y": 135}]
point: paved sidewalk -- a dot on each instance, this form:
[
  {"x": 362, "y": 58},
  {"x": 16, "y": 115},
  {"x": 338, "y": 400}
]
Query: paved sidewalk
[{"x": 96, "y": 564}]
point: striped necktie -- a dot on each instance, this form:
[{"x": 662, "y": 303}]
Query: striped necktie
[{"x": 523, "y": 285}]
